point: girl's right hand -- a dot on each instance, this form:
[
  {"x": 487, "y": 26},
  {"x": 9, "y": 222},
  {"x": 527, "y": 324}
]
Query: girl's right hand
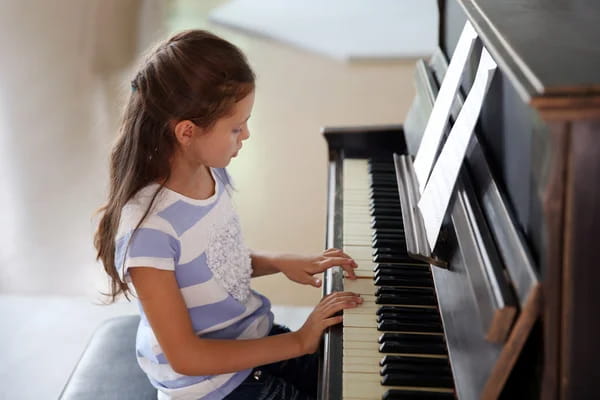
[{"x": 322, "y": 318}]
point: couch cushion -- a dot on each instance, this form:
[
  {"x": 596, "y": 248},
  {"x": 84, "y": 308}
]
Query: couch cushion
[{"x": 108, "y": 368}]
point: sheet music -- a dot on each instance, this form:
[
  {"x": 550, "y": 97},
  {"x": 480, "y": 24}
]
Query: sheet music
[
  {"x": 436, "y": 196},
  {"x": 438, "y": 120}
]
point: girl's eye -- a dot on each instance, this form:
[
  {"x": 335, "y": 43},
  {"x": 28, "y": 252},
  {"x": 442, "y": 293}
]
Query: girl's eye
[{"x": 239, "y": 130}]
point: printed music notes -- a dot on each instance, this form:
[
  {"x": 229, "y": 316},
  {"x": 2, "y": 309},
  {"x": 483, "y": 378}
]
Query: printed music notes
[
  {"x": 438, "y": 190},
  {"x": 438, "y": 120}
]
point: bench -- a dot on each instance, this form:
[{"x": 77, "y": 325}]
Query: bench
[{"x": 108, "y": 368}]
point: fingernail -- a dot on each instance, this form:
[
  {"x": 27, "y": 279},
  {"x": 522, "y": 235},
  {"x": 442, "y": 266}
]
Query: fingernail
[{"x": 317, "y": 282}]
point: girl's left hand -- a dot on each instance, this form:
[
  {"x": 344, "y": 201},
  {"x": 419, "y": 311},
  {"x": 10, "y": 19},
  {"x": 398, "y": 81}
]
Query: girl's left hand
[{"x": 301, "y": 269}]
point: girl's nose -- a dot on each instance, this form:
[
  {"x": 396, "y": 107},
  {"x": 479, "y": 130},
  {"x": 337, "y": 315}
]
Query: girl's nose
[{"x": 245, "y": 134}]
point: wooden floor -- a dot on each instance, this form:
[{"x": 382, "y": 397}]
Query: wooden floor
[{"x": 59, "y": 105}]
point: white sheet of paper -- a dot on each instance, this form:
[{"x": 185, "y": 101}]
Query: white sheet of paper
[
  {"x": 438, "y": 120},
  {"x": 436, "y": 196}
]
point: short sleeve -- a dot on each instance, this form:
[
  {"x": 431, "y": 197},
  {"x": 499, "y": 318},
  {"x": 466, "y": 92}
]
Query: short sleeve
[{"x": 147, "y": 247}]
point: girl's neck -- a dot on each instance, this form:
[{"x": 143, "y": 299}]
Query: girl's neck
[{"x": 196, "y": 183}]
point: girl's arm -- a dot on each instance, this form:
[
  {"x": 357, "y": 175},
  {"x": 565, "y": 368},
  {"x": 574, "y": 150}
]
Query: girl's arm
[
  {"x": 301, "y": 268},
  {"x": 189, "y": 354}
]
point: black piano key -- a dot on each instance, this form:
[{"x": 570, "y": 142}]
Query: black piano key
[
  {"x": 399, "y": 247},
  {"x": 400, "y": 250},
  {"x": 383, "y": 187},
  {"x": 397, "y": 236},
  {"x": 412, "y": 318},
  {"x": 391, "y": 204},
  {"x": 384, "y": 232},
  {"x": 400, "y": 394},
  {"x": 400, "y": 379},
  {"x": 390, "y": 359},
  {"x": 379, "y": 192},
  {"x": 410, "y": 337},
  {"x": 386, "y": 211},
  {"x": 387, "y": 222},
  {"x": 402, "y": 280},
  {"x": 385, "y": 203},
  {"x": 391, "y": 253},
  {"x": 387, "y": 258},
  {"x": 396, "y": 219},
  {"x": 383, "y": 170},
  {"x": 387, "y": 195},
  {"x": 400, "y": 298},
  {"x": 415, "y": 264},
  {"x": 381, "y": 167},
  {"x": 412, "y": 348},
  {"x": 431, "y": 369},
  {"x": 418, "y": 292},
  {"x": 396, "y": 281},
  {"x": 377, "y": 243},
  {"x": 403, "y": 272},
  {"x": 389, "y": 233},
  {"x": 401, "y": 317},
  {"x": 421, "y": 277},
  {"x": 383, "y": 223},
  {"x": 384, "y": 178},
  {"x": 432, "y": 327},
  {"x": 403, "y": 309},
  {"x": 396, "y": 257}
]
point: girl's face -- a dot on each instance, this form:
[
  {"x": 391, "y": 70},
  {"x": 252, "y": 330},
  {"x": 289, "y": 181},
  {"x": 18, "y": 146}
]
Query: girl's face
[{"x": 216, "y": 146}]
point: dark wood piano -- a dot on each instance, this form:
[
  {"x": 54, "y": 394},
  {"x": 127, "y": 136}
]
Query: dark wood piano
[{"x": 513, "y": 313}]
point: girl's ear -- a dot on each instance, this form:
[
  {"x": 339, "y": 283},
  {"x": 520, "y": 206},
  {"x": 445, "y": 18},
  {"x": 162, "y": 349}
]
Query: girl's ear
[{"x": 184, "y": 131}]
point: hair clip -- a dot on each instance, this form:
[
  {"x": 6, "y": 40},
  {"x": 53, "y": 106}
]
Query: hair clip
[{"x": 134, "y": 86}]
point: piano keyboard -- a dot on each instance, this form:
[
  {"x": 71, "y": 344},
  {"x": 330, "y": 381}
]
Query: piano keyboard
[{"x": 393, "y": 344}]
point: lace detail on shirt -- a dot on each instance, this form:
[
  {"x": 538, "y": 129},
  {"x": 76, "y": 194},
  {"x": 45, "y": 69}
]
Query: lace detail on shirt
[{"x": 229, "y": 259}]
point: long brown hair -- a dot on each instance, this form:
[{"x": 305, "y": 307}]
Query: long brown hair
[{"x": 195, "y": 76}]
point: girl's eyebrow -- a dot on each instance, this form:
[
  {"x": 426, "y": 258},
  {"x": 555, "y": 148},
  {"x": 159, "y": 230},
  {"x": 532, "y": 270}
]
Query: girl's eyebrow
[{"x": 246, "y": 120}]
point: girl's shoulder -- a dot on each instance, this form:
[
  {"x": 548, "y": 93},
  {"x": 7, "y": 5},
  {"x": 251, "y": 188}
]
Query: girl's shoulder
[{"x": 141, "y": 205}]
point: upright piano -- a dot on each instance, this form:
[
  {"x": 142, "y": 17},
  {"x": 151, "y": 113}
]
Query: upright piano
[{"x": 510, "y": 310}]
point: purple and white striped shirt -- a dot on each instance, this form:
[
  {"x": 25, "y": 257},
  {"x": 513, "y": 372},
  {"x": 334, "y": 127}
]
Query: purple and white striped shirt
[{"x": 201, "y": 241}]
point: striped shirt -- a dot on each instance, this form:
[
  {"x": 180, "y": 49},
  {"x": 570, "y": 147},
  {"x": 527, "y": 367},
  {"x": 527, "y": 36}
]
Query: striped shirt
[{"x": 200, "y": 240}]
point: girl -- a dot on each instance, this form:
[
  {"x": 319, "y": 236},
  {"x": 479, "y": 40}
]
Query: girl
[{"x": 170, "y": 230}]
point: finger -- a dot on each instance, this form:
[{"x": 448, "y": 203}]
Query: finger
[
  {"x": 349, "y": 271},
  {"x": 332, "y": 321},
  {"x": 316, "y": 282},
  {"x": 336, "y": 261},
  {"x": 307, "y": 278},
  {"x": 333, "y": 308},
  {"x": 335, "y": 253},
  {"x": 337, "y": 294},
  {"x": 340, "y": 297}
]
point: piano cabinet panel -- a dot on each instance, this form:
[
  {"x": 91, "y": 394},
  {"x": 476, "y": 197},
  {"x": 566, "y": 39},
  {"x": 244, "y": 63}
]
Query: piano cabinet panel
[
  {"x": 551, "y": 256},
  {"x": 364, "y": 141},
  {"x": 570, "y": 196},
  {"x": 580, "y": 326}
]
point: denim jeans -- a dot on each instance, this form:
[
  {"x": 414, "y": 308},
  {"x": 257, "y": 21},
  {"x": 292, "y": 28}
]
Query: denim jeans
[{"x": 294, "y": 379}]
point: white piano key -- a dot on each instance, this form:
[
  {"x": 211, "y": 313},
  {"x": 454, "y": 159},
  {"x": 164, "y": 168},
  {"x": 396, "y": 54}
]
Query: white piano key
[
  {"x": 368, "y": 386},
  {"x": 357, "y": 334}
]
